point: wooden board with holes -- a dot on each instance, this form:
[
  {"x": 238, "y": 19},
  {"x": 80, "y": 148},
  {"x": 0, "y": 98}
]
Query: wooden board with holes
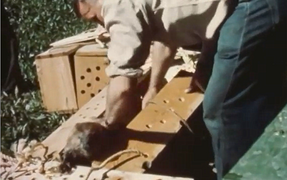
[
  {"x": 59, "y": 51},
  {"x": 152, "y": 129},
  {"x": 90, "y": 76},
  {"x": 55, "y": 76},
  {"x": 57, "y": 140},
  {"x": 93, "y": 109}
]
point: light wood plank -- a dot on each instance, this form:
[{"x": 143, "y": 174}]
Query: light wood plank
[
  {"x": 94, "y": 108},
  {"x": 152, "y": 129},
  {"x": 82, "y": 171},
  {"x": 56, "y": 83}
]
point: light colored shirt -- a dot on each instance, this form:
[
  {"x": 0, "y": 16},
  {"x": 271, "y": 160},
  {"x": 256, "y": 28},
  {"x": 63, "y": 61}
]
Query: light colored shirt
[{"x": 133, "y": 24}]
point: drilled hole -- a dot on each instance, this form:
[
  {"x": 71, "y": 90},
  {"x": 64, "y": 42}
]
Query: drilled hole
[
  {"x": 146, "y": 165},
  {"x": 149, "y": 126},
  {"x": 98, "y": 68},
  {"x": 103, "y": 97},
  {"x": 80, "y": 115},
  {"x": 165, "y": 101},
  {"x": 92, "y": 95},
  {"x": 89, "y": 84},
  {"x": 81, "y": 176},
  {"x": 98, "y": 104},
  {"x": 181, "y": 99},
  {"x": 97, "y": 78},
  {"x": 99, "y": 90},
  {"x": 84, "y": 117},
  {"x": 83, "y": 91},
  {"x": 82, "y": 77},
  {"x": 89, "y": 70},
  {"x": 87, "y": 108},
  {"x": 162, "y": 121},
  {"x": 171, "y": 109}
]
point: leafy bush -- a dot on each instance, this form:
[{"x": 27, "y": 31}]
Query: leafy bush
[
  {"x": 37, "y": 23},
  {"x": 22, "y": 116}
]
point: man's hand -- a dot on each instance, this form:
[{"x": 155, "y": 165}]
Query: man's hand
[
  {"x": 162, "y": 55},
  {"x": 203, "y": 68},
  {"x": 122, "y": 102},
  {"x": 151, "y": 93}
]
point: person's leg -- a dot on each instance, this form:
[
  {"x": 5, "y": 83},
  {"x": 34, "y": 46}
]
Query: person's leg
[
  {"x": 11, "y": 75},
  {"x": 246, "y": 89}
]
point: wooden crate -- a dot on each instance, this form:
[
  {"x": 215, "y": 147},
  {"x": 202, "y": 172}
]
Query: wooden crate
[
  {"x": 55, "y": 70},
  {"x": 90, "y": 64}
]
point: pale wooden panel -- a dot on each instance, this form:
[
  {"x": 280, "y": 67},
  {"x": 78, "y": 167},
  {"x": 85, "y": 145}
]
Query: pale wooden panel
[
  {"x": 56, "y": 83},
  {"x": 90, "y": 77},
  {"x": 94, "y": 108},
  {"x": 59, "y": 51},
  {"x": 116, "y": 175},
  {"x": 58, "y": 139},
  {"x": 90, "y": 65},
  {"x": 152, "y": 129},
  {"x": 92, "y": 50}
]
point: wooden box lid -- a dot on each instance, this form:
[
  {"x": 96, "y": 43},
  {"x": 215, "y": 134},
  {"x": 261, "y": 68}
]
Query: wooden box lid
[
  {"x": 92, "y": 50},
  {"x": 59, "y": 51}
]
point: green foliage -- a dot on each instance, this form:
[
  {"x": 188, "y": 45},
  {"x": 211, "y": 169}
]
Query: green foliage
[
  {"x": 37, "y": 23},
  {"x": 22, "y": 116}
]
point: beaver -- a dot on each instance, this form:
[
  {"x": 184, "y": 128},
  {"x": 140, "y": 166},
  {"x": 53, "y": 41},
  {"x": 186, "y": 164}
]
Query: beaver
[{"x": 85, "y": 144}]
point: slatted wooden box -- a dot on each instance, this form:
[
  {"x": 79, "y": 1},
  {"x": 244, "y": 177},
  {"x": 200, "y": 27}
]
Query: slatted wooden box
[
  {"x": 71, "y": 75},
  {"x": 55, "y": 70},
  {"x": 90, "y": 64}
]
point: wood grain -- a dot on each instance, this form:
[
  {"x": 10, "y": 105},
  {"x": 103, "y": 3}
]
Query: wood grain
[
  {"x": 152, "y": 129},
  {"x": 56, "y": 84}
]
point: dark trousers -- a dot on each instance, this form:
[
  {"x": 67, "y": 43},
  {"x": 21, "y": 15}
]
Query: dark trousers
[
  {"x": 247, "y": 88},
  {"x": 10, "y": 70}
]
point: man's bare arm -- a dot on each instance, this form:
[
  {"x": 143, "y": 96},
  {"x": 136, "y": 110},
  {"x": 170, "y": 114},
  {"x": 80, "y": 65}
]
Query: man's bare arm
[
  {"x": 122, "y": 98},
  {"x": 121, "y": 102},
  {"x": 162, "y": 56}
]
